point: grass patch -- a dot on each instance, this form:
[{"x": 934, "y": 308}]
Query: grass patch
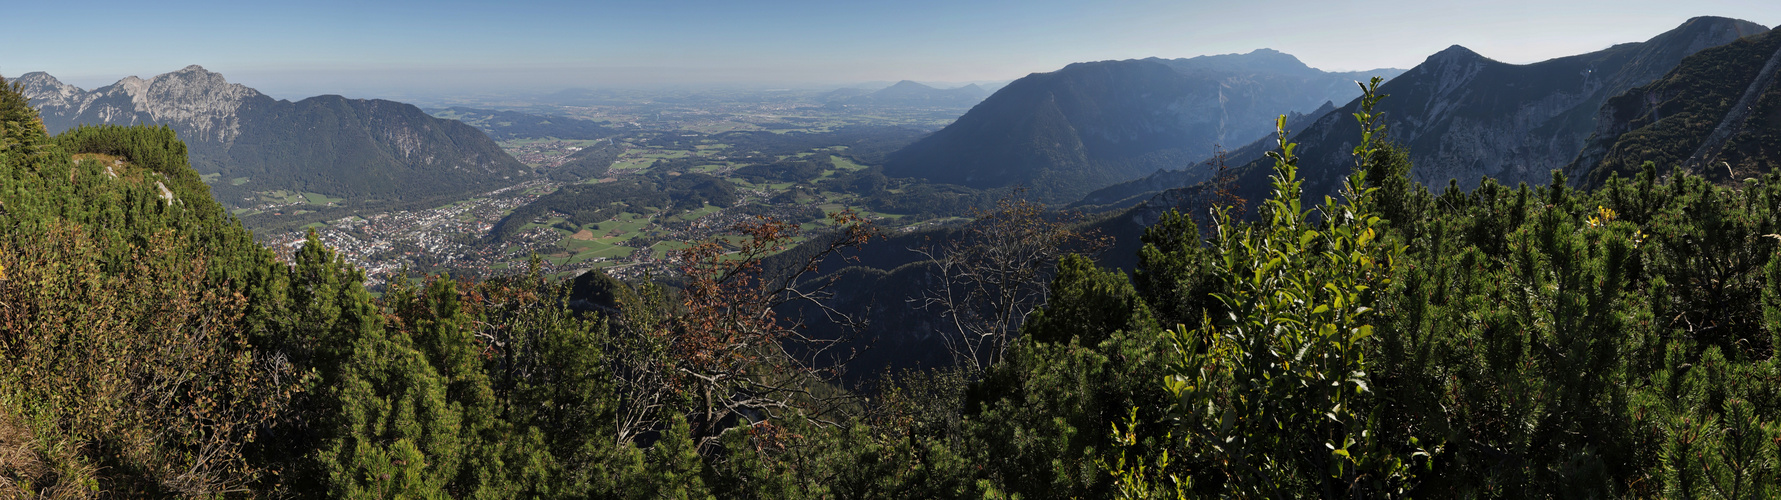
[
  {"x": 632, "y": 164},
  {"x": 320, "y": 199},
  {"x": 548, "y": 223},
  {"x": 281, "y": 196},
  {"x": 843, "y": 163}
]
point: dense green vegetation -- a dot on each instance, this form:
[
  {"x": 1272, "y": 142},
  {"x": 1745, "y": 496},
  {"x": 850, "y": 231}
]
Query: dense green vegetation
[
  {"x": 588, "y": 163},
  {"x": 1502, "y": 342},
  {"x": 585, "y": 204}
]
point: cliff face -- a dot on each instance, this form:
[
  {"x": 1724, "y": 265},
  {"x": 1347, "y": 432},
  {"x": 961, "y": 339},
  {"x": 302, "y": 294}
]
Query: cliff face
[
  {"x": 1717, "y": 114},
  {"x": 198, "y": 103},
  {"x": 351, "y": 148}
]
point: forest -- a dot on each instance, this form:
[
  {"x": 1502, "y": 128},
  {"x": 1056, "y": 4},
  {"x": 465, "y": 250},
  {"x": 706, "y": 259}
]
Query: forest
[
  {"x": 1507, "y": 341},
  {"x": 592, "y": 203}
]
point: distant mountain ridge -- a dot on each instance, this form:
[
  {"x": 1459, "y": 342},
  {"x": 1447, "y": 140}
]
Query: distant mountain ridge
[
  {"x": 909, "y": 93},
  {"x": 362, "y": 150},
  {"x": 1089, "y": 125},
  {"x": 504, "y": 125},
  {"x": 1717, "y": 114}
]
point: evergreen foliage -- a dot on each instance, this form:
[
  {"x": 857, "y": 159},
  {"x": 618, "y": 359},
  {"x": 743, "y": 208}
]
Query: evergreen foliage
[{"x": 1545, "y": 341}]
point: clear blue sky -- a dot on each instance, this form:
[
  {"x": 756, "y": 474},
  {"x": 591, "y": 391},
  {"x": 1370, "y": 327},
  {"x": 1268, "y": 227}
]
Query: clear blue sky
[{"x": 294, "y": 49}]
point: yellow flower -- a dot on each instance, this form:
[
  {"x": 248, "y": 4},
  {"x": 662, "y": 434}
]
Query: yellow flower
[{"x": 1603, "y": 215}]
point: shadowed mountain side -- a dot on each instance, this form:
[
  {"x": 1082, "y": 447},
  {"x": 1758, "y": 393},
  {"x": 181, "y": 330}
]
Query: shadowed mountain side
[
  {"x": 357, "y": 148},
  {"x": 899, "y": 334},
  {"x": 1088, "y": 125},
  {"x": 1464, "y": 117},
  {"x": 1126, "y": 194},
  {"x": 1718, "y": 115},
  {"x": 883, "y": 281}
]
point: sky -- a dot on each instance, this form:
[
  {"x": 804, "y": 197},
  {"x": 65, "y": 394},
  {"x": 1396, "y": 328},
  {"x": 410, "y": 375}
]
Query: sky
[{"x": 370, "y": 48}]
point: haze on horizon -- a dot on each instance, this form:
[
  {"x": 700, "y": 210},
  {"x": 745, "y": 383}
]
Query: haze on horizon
[{"x": 381, "y": 49}]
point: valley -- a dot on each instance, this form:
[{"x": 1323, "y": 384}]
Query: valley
[{"x": 773, "y": 177}]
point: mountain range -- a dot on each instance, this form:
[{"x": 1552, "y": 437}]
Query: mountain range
[
  {"x": 909, "y": 94},
  {"x": 1088, "y": 125},
  {"x": 1464, "y": 117},
  {"x": 1718, "y": 115},
  {"x": 362, "y": 150}
]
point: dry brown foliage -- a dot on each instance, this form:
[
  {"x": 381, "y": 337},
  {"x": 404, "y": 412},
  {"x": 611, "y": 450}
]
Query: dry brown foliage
[
  {"x": 734, "y": 355},
  {"x": 145, "y": 371}
]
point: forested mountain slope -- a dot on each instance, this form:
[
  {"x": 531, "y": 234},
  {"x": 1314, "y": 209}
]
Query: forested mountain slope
[
  {"x": 1088, "y": 125},
  {"x": 362, "y": 150},
  {"x": 1718, "y": 114},
  {"x": 1465, "y": 117}
]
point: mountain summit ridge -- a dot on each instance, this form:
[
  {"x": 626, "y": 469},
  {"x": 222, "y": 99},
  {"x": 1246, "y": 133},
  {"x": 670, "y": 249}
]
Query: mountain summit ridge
[
  {"x": 1714, "y": 115},
  {"x": 358, "y": 149},
  {"x": 1091, "y": 124},
  {"x": 1465, "y": 116}
]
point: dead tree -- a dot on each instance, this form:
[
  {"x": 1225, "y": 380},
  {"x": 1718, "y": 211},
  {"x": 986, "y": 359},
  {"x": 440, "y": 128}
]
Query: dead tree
[{"x": 995, "y": 272}]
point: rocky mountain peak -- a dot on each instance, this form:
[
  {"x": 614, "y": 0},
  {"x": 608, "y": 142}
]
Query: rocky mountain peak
[
  {"x": 38, "y": 85},
  {"x": 1453, "y": 54},
  {"x": 352, "y": 148},
  {"x": 201, "y": 103},
  {"x": 38, "y": 78}
]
